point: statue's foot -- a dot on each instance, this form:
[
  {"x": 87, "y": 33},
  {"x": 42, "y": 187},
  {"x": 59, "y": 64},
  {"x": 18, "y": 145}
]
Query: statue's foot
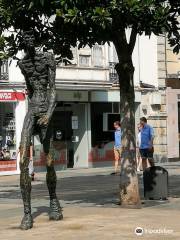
[
  {"x": 55, "y": 210},
  {"x": 27, "y": 222}
]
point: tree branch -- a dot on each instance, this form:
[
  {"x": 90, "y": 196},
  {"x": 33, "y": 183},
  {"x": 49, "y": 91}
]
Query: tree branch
[
  {"x": 132, "y": 40},
  {"x": 120, "y": 42}
]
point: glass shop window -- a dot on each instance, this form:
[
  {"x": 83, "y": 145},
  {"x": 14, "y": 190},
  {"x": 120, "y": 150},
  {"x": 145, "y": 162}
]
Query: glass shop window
[
  {"x": 7, "y": 132},
  {"x": 103, "y": 115}
]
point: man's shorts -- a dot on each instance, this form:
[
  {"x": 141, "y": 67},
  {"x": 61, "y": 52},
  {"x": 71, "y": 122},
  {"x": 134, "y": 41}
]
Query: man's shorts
[
  {"x": 146, "y": 153},
  {"x": 118, "y": 150}
]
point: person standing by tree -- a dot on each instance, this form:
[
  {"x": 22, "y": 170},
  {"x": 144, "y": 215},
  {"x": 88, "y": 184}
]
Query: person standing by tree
[
  {"x": 117, "y": 146},
  {"x": 146, "y": 145},
  {"x": 138, "y": 156}
]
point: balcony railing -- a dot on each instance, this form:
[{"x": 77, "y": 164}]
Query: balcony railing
[
  {"x": 113, "y": 76},
  {"x": 4, "y": 70}
]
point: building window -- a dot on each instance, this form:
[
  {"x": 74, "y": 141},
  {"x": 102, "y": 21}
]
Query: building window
[
  {"x": 97, "y": 56},
  {"x": 102, "y": 113},
  {"x": 4, "y": 70},
  {"x": 113, "y": 76},
  {"x": 84, "y": 60}
]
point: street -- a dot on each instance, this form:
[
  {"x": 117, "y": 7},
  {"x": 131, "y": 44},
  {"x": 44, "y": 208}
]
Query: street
[{"x": 90, "y": 206}]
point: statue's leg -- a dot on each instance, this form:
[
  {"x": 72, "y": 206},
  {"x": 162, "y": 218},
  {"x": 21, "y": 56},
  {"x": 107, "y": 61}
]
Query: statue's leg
[
  {"x": 25, "y": 179},
  {"x": 55, "y": 212}
]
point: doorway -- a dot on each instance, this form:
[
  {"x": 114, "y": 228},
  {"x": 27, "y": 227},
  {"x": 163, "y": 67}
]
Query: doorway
[
  {"x": 62, "y": 132},
  {"x": 69, "y": 132}
]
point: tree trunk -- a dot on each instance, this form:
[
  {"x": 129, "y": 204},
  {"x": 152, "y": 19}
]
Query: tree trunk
[{"x": 129, "y": 189}]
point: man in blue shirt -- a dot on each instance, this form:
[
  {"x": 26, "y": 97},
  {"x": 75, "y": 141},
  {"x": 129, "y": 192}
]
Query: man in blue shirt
[
  {"x": 146, "y": 146},
  {"x": 117, "y": 146}
]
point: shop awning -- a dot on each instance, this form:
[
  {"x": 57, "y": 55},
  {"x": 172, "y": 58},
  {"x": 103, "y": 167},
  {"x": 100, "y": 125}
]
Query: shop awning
[{"x": 7, "y": 96}]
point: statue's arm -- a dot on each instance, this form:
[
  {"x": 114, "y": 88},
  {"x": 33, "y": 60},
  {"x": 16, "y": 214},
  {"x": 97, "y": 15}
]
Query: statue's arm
[{"x": 52, "y": 87}]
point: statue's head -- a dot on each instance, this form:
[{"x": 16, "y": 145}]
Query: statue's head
[{"x": 28, "y": 39}]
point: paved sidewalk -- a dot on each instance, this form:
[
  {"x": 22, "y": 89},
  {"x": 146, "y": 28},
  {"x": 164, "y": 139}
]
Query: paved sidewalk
[
  {"x": 89, "y": 200},
  {"x": 95, "y": 223}
]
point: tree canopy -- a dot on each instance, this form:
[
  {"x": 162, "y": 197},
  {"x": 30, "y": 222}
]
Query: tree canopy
[{"x": 59, "y": 24}]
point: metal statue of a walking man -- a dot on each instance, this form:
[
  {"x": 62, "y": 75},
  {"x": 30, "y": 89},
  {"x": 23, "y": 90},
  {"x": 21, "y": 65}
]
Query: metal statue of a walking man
[{"x": 39, "y": 70}]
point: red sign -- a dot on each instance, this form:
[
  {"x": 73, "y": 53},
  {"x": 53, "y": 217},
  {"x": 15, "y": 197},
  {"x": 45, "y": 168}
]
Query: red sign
[{"x": 11, "y": 96}]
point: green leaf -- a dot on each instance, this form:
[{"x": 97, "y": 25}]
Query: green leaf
[
  {"x": 31, "y": 5},
  {"x": 176, "y": 49},
  {"x": 59, "y": 12},
  {"x": 42, "y": 2}
]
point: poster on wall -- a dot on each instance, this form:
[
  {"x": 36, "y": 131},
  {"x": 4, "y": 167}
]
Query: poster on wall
[{"x": 74, "y": 122}]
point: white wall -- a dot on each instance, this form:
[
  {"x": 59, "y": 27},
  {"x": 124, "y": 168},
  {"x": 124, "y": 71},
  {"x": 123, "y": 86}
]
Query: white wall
[
  {"x": 144, "y": 59},
  {"x": 72, "y": 72},
  {"x": 20, "y": 113},
  {"x": 82, "y": 74},
  {"x": 15, "y": 74},
  {"x": 85, "y": 73}
]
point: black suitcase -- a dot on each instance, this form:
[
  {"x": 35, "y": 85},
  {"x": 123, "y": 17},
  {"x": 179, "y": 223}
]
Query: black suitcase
[{"x": 155, "y": 183}]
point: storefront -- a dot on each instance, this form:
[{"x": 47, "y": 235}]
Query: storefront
[
  {"x": 105, "y": 110},
  {"x": 12, "y": 112},
  {"x": 83, "y": 129},
  {"x": 71, "y": 137}
]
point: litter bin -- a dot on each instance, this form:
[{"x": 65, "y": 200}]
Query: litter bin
[{"x": 155, "y": 183}]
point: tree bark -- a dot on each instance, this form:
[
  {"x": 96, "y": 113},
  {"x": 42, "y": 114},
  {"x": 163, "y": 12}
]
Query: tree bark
[{"x": 129, "y": 189}]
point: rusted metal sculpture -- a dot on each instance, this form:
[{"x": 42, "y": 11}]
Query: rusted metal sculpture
[{"x": 39, "y": 71}]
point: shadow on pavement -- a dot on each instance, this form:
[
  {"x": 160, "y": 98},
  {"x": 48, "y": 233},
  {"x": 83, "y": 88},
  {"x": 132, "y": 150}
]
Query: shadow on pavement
[
  {"x": 39, "y": 210},
  {"x": 97, "y": 190}
]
